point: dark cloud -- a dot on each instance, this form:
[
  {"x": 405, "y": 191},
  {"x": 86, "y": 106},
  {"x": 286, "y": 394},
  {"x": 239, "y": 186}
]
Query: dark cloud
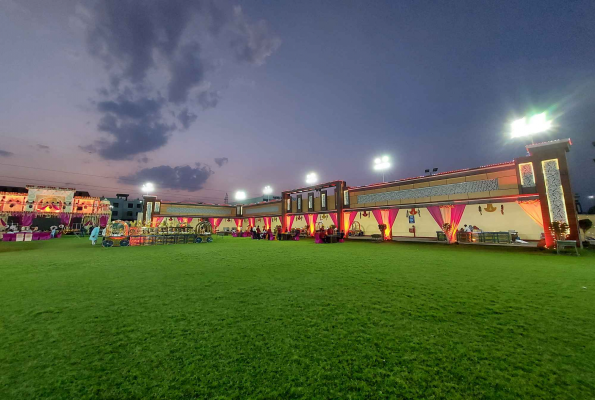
[
  {"x": 187, "y": 71},
  {"x": 167, "y": 177},
  {"x": 221, "y": 161},
  {"x": 41, "y": 147},
  {"x": 143, "y": 160},
  {"x": 208, "y": 99},
  {"x": 134, "y": 38},
  {"x": 4, "y": 153},
  {"x": 186, "y": 118}
]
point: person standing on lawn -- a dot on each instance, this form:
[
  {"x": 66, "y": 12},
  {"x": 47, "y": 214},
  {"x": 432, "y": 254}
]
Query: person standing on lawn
[{"x": 94, "y": 234}]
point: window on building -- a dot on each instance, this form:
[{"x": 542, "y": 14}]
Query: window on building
[
  {"x": 130, "y": 205},
  {"x": 79, "y": 208},
  {"x": 116, "y": 205},
  {"x": 114, "y": 213},
  {"x": 129, "y": 213},
  {"x": 138, "y": 205}
]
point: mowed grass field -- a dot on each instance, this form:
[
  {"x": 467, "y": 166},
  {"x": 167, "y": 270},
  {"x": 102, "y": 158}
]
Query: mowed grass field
[{"x": 239, "y": 318}]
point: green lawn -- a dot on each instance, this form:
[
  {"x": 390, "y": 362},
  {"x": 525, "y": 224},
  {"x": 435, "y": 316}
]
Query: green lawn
[{"x": 239, "y": 318}]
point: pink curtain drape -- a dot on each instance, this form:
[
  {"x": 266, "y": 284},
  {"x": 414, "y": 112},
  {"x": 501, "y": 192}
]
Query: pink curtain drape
[
  {"x": 251, "y": 222},
  {"x": 215, "y": 222},
  {"x": 311, "y": 220},
  {"x": 334, "y": 218},
  {"x": 348, "y": 218},
  {"x": 289, "y": 221},
  {"x": 65, "y": 219},
  {"x": 386, "y": 217},
  {"x": 157, "y": 221},
  {"x": 451, "y": 214},
  {"x": 456, "y": 213},
  {"x": 238, "y": 222},
  {"x": 267, "y": 222},
  {"x": 102, "y": 220},
  {"x": 533, "y": 209},
  {"x": 27, "y": 219}
]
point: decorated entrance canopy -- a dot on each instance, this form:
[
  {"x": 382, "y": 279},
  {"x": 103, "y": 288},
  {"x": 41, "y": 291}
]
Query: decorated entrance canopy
[
  {"x": 53, "y": 202},
  {"x": 539, "y": 183}
]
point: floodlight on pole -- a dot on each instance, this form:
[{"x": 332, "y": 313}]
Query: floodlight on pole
[
  {"x": 267, "y": 191},
  {"x": 382, "y": 164},
  {"x": 311, "y": 178},
  {"x": 148, "y": 187},
  {"x": 538, "y": 123},
  {"x": 240, "y": 195}
]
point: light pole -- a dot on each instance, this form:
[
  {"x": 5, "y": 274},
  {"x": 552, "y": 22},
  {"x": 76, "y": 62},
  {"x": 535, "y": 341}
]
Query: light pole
[
  {"x": 382, "y": 164},
  {"x": 148, "y": 187},
  {"x": 538, "y": 123},
  {"x": 311, "y": 178}
]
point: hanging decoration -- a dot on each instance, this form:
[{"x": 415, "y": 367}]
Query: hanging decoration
[
  {"x": 412, "y": 211},
  {"x": 480, "y": 210},
  {"x": 502, "y": 209},
  {"x": 419, "y": 212},
  {"x": 490, "y": 208}
]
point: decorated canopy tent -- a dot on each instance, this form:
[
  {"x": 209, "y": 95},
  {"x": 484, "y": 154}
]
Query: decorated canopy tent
[{"x": 61, "y": 204}]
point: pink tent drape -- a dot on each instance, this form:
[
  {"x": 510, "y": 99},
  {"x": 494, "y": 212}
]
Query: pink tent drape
[
  {"x": 251, "y": 222},
  {"x": 348, "y": 218},
  {"x": 311, "y": 220},
  {"x": 238, "y": 222},
  {"x": 334, "y": 218},
  {"x": 157, "y": 221},
  {"x": 102, "y": 220},
  {"x": 289, "y": 221},
  {"x": 27, "y": 219},
  {"x": 533, "y": 209},
  {"x": 451, "y": 214},
  {"x": 65, "y": 218},
  {"x": 215, "y": 222},
  {"x": 386, "y": 217},
  {"x": 267, "y": 222}
]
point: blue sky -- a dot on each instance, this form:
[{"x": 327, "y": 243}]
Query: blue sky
[{"x": 283, "y": 88}]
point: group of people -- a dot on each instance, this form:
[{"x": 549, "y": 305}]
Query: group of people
[
  {"x": 325, "y": 235},
  {"x": 260, "y": 234}
]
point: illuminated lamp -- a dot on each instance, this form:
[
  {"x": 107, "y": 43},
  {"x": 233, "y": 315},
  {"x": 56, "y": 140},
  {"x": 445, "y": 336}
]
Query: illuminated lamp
[
  {"x": 381, "y": 164},
  {"x": 311, "y": 178},
  {"x": 538, "y": 123}
]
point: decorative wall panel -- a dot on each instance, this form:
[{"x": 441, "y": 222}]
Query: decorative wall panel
[
  {"x": 527, "y": 175},
  {"x": 263, "y": 210},
  {"x": 554, "y": 191},
  {"x": 180, "y": 210},
  {"x": 442, "y": 190}
]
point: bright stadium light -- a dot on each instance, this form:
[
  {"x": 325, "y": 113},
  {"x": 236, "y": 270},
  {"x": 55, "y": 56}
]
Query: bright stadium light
[
  {"x": 311, "y": 178},
  {"x": 382, "y": 164},
  {"x": 267, "y": 191},
  {"x": 240, "y": 195},
  {"x": 148, "y": 187},
  {"x": 527, "y": 127}
]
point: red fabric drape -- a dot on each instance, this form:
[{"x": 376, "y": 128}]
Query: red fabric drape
[
  {"x": 267, "y": 222},
  {"x": 386, "y": 217},
  {"x": 334, "y": 218},
  {"x": 215, "y": 222},
  {"x": 311, "y": 220},
  {"x": 251, "y": 222},
  {"x": 289, "y": 222},
  {"x": 238, "y": 222},
  {"x": 157, "y": 221},
  {"x": 533, "y": 210},
  {"x": 448, "y": 214},
  {"x": 348, "y": 218}
]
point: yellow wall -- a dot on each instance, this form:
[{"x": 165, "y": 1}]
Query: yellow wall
[
  {"x": 170, "y": 210},
  {"x": 514, "y": 218}
]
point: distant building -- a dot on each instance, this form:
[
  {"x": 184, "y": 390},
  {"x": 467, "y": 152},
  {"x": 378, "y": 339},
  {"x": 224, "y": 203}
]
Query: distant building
[{"x": 124, "y": 209}]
